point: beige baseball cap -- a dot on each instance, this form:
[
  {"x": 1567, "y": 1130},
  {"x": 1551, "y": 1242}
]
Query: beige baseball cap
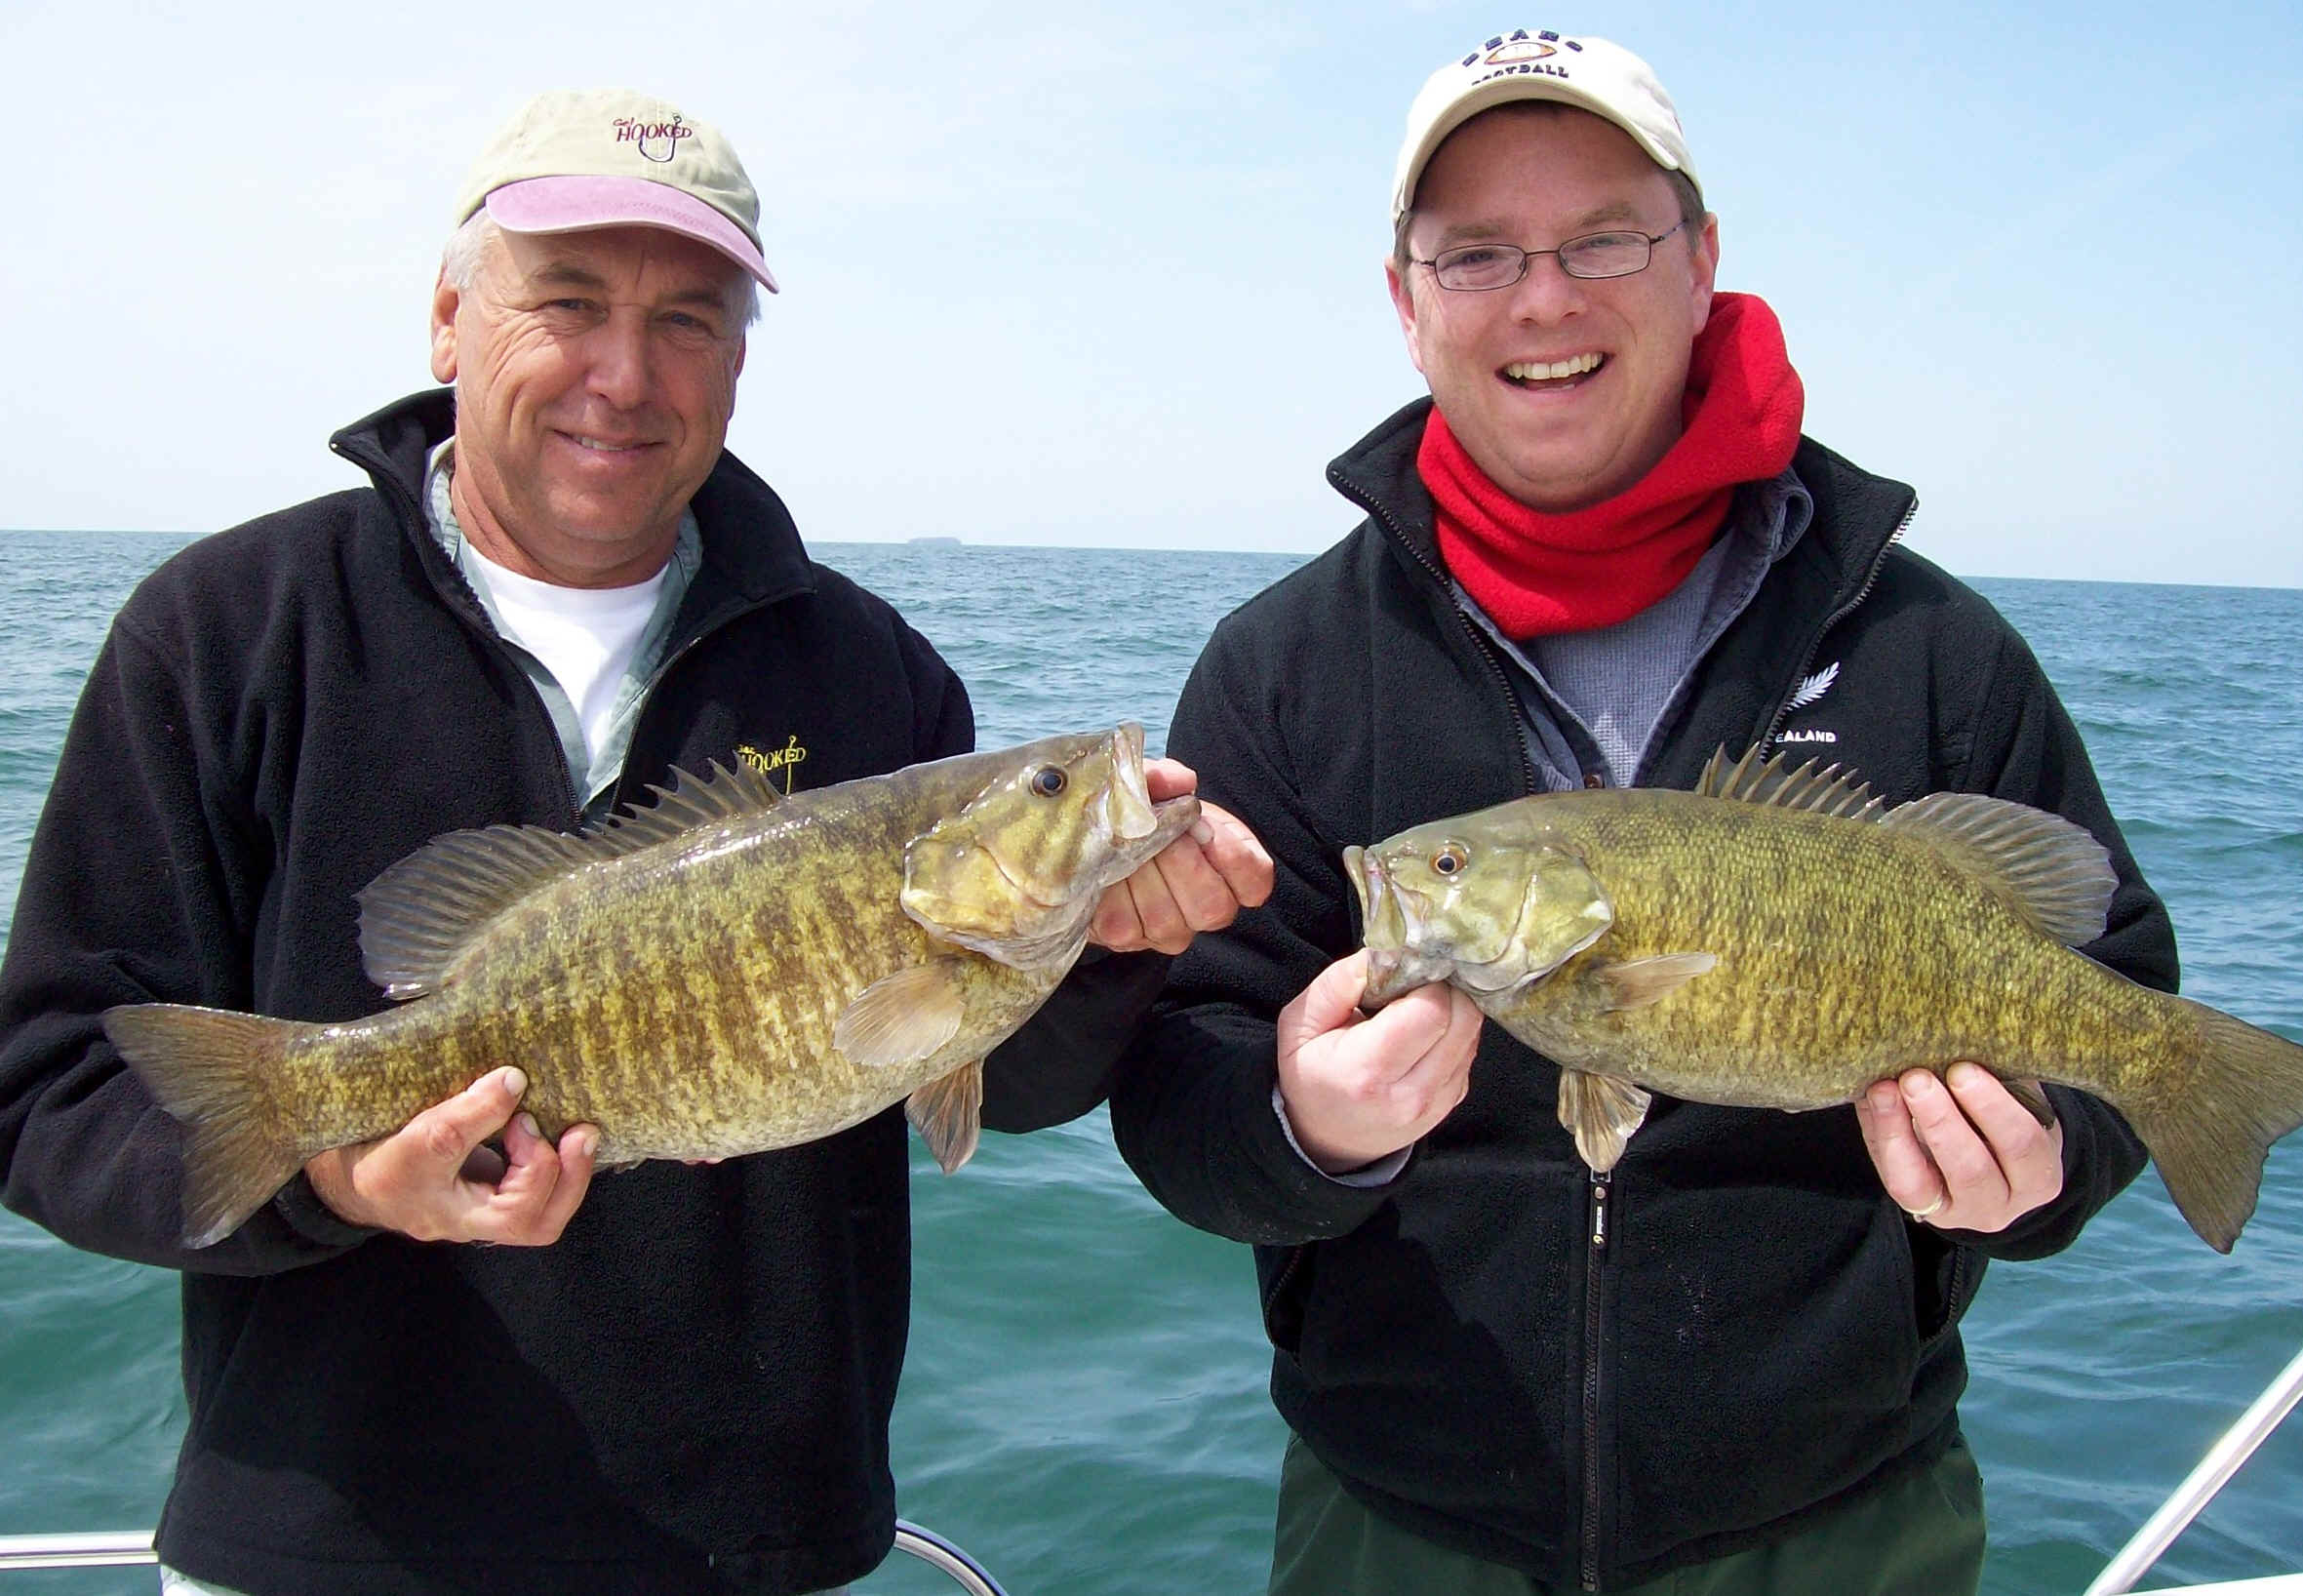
[
  {"x": 1602, "y": 78},
  {"x": 577, "y": 158}
]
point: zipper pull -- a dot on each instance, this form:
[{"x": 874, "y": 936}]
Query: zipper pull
[{"x": 1600, "y": 1182}]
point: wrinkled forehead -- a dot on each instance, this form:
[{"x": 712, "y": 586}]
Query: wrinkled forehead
[{"x": 654, "y": 262}]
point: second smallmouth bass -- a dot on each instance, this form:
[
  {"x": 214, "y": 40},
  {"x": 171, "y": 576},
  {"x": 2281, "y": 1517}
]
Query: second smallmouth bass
[{"x": 1777, "y": 938}]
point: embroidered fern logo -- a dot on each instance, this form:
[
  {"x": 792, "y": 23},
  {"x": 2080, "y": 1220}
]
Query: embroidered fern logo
[
  {"x": 1815, "y": 686},
  {"x": 1804, "y": 697}
]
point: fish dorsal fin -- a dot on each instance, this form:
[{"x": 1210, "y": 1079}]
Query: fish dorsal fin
[
  {"x": 1773, "y": 782},
  {"x": 2051, "y": 872},
  {"x": 421, "y": 916},
  {"x": 721, "y": 798}
]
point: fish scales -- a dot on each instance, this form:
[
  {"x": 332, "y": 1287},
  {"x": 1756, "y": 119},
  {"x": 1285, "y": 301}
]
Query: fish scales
[
  {"x": 731, "y": 972},
  {"x": 1906, "y": 964},
  {"x": 730, "y": 955},
  {"x": 1775, "y": 940}
]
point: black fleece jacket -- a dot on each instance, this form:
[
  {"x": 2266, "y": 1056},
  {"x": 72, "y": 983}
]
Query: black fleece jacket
[
  {"x": 1591, "y": 1380},
  {"x": 691, "y": 1390}
]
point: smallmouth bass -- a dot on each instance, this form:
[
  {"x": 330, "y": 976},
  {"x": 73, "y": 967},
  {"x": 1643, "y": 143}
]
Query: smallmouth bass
[
  {"x": 1779, "y": 938},
  {"x": 728, "y": 971}
]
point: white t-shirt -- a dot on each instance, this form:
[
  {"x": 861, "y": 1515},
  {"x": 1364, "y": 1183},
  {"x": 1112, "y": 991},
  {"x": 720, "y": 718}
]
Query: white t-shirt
[{"x": 584, "y": 636}]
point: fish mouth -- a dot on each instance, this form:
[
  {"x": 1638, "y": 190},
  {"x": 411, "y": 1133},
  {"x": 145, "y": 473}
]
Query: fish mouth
[
  {"x": 1128, "y": 807},
  {"x": 1140, "y": 828},
  {"x": 1394, "y": 969}
]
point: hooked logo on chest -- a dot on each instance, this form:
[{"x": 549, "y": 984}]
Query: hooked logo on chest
[{"x": 786, "y": 759}]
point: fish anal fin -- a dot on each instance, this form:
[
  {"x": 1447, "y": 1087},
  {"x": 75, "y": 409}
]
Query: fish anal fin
[
  {"x": 1636, "y": 983},
  {"x": 1601, "y": 1112},
  {"x": 2032, "y": 1096},
  {"x": 948, "y": 1114},
  {"x": 2053, "y": 873},
  {"x": 903, "y": 1018}
]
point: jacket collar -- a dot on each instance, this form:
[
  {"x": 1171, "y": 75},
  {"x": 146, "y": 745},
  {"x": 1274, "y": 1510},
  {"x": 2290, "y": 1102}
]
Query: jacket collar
[
  {"x": 750, "y": 544},
  {"x": 1856, "y": 514}
]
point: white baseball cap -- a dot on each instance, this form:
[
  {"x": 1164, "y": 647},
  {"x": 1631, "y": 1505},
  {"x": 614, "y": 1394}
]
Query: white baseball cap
[
  {"x": 577, "y": 158},
  {"x": 1602, "y": 78}
]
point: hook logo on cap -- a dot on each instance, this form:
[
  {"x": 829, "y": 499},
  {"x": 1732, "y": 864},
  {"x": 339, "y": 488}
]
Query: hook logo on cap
[{"x": 657, "y": 140}]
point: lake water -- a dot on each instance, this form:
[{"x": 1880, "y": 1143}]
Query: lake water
[{"x": 1084, "y": 1408}]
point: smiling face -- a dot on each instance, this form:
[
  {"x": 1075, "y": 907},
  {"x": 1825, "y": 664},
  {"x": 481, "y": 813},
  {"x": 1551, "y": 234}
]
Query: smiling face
[
  {"x": 594, "y": 374},
  {"x": 1566, "y": 391}
]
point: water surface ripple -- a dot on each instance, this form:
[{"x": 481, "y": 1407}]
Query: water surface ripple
[{"x": 1084, "y": 1407}]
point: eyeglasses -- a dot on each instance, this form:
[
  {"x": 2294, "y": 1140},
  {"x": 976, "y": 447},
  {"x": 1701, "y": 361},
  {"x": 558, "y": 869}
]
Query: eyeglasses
[{"x": 1478, "y": 268}]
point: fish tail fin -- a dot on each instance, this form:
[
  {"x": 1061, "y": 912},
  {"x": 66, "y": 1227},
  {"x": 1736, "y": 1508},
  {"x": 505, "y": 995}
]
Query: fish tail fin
[
  {"x": 2210, "y": 1142},
  {"x": 212, "y": 1070}
]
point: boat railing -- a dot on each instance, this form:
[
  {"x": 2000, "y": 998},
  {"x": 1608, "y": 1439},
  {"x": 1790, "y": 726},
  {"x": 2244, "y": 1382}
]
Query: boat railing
[
  {"x": 117, "y": 1548},
  {"x": 122, "y": 1548},
  {"x": 2223, "y": 1459}
]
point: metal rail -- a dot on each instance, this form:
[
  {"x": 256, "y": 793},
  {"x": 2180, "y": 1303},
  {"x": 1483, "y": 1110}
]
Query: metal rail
[
  {"x": 121, "y": 1549},
  {"x": 2222, "y": 1460}
]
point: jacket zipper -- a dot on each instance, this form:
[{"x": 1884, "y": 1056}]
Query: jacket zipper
[
  {"x": 469, "y": 609},
  {"x": 475, "y": 613},
  {"x": 1594, "y": 1398},
  {"x": 1485, "y": 649},
  {"x": 1870, "y": 580},
  {"x": 1602, "y": 1183},
  {"x": 663, "y": 668}
]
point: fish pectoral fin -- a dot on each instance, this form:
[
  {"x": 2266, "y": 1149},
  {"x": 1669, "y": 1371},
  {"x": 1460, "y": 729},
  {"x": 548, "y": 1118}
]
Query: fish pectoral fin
[
  {"x": 1635, "y": 983},
  {"x": 948, "y": 1114},
  {"x": 904, "y": 1016},
  {"x": 1601, "y": 1112}
]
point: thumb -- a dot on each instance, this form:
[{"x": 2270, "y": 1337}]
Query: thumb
[
  {"x": 1166, "y": 778},
  {"x": 452, "y": 1129},
  {"x": 1331, "y": 1002}
]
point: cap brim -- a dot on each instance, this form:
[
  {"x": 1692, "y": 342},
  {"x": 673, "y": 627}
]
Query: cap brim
[{"x": 566, "y": 205}]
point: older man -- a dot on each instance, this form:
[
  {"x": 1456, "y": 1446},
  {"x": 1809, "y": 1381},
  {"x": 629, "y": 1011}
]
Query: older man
[
  {"x": 559, "y": 587},
  {"x": 1598, "y": 552}
]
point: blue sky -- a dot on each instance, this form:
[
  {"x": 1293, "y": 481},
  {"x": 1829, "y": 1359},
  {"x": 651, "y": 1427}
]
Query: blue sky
[{"x": 1074, "y": 273}]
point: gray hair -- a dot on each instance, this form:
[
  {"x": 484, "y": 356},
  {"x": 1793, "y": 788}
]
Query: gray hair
[
  {"x": 1683, "y": 189},
  {"x": 460, "y": 257}
]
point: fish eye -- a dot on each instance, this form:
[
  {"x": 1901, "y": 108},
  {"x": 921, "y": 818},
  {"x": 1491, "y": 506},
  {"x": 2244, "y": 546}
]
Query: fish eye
[
  {"x": 1449, "y": 861},
  {"x": 1049, "y": 781}
]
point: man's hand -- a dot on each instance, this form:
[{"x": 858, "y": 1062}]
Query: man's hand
[
  {"x": 1962, "y": 1157},
  {"x": 433, "y": 1180},
  {"x": 1196, "y": 883},
  {"x": 1358, "y": 1088}
]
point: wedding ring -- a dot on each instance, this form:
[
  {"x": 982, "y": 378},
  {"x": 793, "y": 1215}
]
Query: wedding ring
[{"x": 1920, "y": 1216}]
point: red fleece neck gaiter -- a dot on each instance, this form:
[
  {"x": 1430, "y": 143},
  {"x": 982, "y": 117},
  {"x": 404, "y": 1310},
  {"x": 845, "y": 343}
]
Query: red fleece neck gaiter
[{"x": 1537, "y": 574}]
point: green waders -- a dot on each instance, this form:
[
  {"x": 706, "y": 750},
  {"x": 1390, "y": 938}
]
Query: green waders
[{"x": 1921, "y": 1536}]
